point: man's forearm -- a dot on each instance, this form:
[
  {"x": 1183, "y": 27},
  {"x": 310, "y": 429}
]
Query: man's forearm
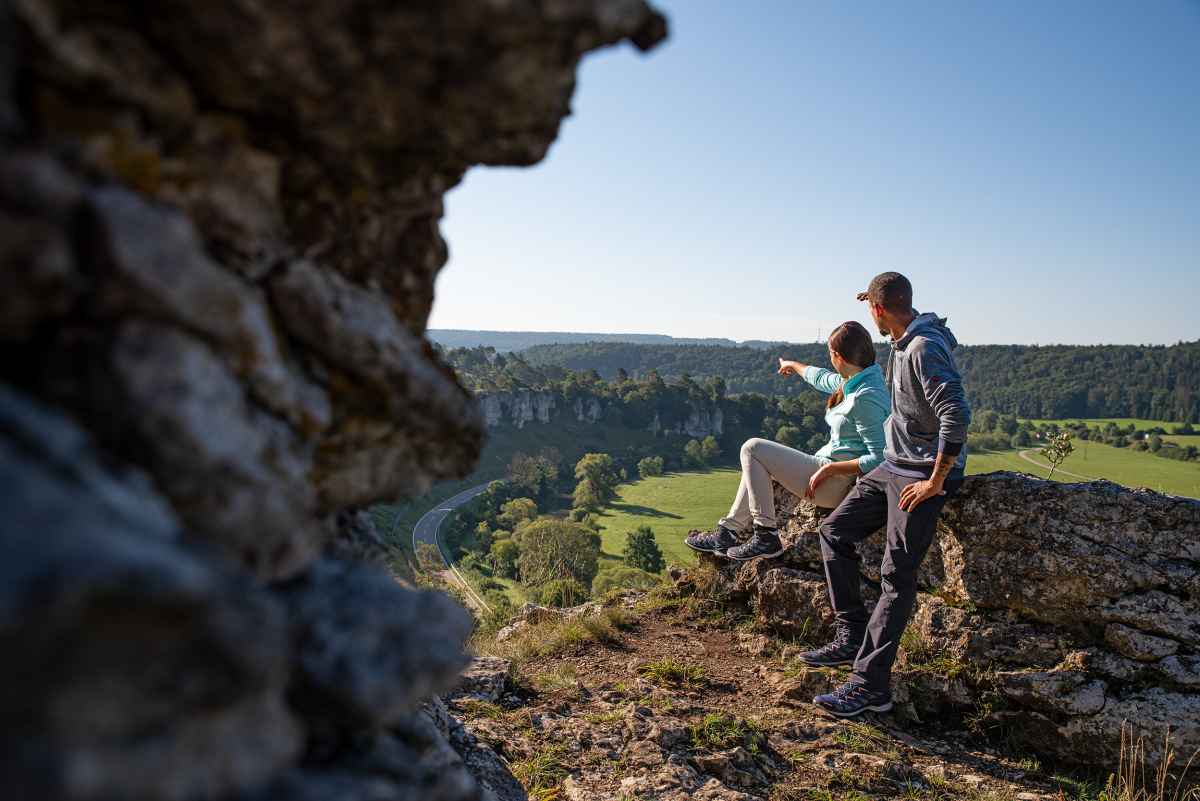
[{"x": 943, "y": 466}]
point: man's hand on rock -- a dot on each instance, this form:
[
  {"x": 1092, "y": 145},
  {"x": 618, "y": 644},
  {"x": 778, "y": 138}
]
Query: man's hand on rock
[{"x": 917, "y": 493}]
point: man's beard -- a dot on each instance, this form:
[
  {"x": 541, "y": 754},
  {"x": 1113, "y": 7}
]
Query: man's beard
[{"x": 884, "y": 332}]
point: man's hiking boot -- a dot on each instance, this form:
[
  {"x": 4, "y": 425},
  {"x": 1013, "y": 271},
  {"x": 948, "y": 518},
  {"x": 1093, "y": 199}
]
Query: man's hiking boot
[
  {"x": 763, "y": 545},
  {"x": 711, "y": 541},
  {"x": 841, "y": 651},
  {"x": 853, "y": 699}
]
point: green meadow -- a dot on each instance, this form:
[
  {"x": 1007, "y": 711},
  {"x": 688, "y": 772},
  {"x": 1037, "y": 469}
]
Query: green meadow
[
  {"x": 1092, "y": 460},
  {"x": 677, "y": 502},
  {"x": 671, "y": 505}
]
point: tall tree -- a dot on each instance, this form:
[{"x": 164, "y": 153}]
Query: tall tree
[{"x": 641, "y": 551}]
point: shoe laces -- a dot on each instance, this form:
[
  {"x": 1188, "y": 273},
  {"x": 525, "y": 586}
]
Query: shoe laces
[{"x": 848, "y": 689}]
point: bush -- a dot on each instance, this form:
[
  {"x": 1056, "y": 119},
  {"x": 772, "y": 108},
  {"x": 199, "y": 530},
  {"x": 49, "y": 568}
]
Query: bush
[
  {"x": 504, "y": 555},
  {"x": 650, "y": 466},
  {"x": 559, "y": 593},
  {"x": 621, "y": 577},
  {"x": 556, "y": 549}
]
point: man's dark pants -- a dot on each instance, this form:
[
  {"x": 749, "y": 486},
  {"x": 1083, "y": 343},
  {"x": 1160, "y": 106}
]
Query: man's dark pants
[{"x": 873, "y": 502}]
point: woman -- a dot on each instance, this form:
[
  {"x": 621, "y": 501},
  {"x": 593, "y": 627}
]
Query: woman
[{"x": 857, "y": 406}]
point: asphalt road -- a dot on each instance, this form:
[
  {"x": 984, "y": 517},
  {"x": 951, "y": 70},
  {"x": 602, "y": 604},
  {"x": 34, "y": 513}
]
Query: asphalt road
[{"x": 426, "y": 530}]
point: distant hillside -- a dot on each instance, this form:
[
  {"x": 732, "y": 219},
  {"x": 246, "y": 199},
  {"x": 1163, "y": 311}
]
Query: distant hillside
[
  {"x": 510, "y": 341},
  {"x": 1055, "y": 382}
]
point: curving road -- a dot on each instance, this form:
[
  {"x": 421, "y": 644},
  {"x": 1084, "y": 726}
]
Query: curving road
[{"x": 426, "y": 530}]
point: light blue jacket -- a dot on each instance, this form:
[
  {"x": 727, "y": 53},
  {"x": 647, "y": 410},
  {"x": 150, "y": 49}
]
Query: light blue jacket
[{"x": 855, "y": 424}]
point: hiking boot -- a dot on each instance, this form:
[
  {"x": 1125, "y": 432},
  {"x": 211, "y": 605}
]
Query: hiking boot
[
  {"x": 853, "y": 699},
  {"x": 711, "y": 541},
  {"x": 841, "y": 651},
  {"x": 763, "y": 545}
]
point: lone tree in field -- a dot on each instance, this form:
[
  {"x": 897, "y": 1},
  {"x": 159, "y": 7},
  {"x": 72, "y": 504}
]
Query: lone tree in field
[
  {"x": 598, "y": 478},
  {"x": 709, "y": 449},
  {"x": 1057, "y": 450},
  {"x": 642, "y": 552},
  {"x": 555, "y": 549}
]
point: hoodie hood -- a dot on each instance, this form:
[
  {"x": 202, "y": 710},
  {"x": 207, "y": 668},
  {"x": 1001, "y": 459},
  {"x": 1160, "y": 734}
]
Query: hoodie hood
[{"x": 930, "y": 326}]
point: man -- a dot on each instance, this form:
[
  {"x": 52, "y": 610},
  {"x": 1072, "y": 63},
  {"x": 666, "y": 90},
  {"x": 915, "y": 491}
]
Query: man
[{"x": 923, "y": 465}]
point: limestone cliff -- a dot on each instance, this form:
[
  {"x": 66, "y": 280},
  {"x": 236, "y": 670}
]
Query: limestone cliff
[
  {"x": 519, "y": 408},
  {"x": 220, "y": 239}
]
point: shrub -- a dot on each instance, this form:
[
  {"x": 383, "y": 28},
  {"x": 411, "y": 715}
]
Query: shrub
[
  {"x": 556, "y": 549},
  {"x": 559, "y": 593},
  {"x": 622, "y": 578},
  {"x": 650, "y": 466}
]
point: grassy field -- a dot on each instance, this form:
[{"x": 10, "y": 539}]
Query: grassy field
[
  {"x": 671, "y": 505},
  {"x": 1096, "y": 460}
]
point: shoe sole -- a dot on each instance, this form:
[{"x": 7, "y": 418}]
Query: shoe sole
[
  {"x": 838, "y": 663},
  {"x": 713, "y": 551},
  {"x": 780, "y": 552},
  {"x": 870, "y": 708}
]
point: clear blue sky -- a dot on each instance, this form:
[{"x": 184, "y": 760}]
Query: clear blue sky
[{"x": 1033, "y": 167}]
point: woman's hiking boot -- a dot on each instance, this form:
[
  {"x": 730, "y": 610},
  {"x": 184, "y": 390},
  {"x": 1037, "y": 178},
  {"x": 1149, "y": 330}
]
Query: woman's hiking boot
[
  {"x": 711, "y": 541},
  {"x": 763, "y": 545},
  {"x": 841, "y": 651},
  {"x": 853, "y": 699}
]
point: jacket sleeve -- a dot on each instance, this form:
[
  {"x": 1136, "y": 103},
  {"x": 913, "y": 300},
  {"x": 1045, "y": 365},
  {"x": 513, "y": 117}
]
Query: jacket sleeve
[
  {"x": 823, "y": 380},
  {"x": 870, "y": 412},
  {"x": 944, "y": 391}
]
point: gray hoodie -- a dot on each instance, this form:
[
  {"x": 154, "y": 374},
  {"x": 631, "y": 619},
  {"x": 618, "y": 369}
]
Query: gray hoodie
[{"x": 929, "y": 406}]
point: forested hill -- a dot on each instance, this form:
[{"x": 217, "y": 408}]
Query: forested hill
[
  {"x": 1051, "y": 381},
  {"x": 510, "y": 341}
]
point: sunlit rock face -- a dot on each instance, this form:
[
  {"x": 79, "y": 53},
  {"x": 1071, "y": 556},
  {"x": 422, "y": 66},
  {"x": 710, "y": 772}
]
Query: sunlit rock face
[
  {"x": 1062, "y": 611},
  {"x": 219, "y": 238}
]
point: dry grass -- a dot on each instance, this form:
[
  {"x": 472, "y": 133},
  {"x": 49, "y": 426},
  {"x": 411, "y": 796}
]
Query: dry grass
[
  {"x": 555, "y": 636},
  {"x": 1133, "y": 781}
]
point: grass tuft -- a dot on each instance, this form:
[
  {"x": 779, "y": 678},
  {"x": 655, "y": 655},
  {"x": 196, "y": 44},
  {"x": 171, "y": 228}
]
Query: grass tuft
[
  {"x": 716, "y": 732},
  {"x": 541, "y": 773},
  {"x": 673, "y": 672}
]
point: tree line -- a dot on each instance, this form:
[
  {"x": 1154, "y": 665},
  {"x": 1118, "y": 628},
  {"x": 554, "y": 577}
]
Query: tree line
[{"x": 1153, "y": 382}]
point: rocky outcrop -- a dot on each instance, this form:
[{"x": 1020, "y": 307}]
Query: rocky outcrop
[
  {"x": 700, "y": 422},
  {"x": 219, "y": 243},
  {"x": 1057, "y": 612}
]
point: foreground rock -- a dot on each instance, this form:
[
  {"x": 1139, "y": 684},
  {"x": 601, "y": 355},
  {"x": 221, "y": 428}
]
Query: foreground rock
[
  {"x": 1058, "y": 613},
  {"x": 218, "y": 241}
]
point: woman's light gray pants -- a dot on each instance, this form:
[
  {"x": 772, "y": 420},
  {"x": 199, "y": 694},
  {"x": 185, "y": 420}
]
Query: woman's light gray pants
[{"x": 763, "y": 460}]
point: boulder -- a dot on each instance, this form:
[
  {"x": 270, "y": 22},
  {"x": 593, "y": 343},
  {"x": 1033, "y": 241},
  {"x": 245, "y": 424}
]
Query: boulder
[{"x": 1062, "y": 611}]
